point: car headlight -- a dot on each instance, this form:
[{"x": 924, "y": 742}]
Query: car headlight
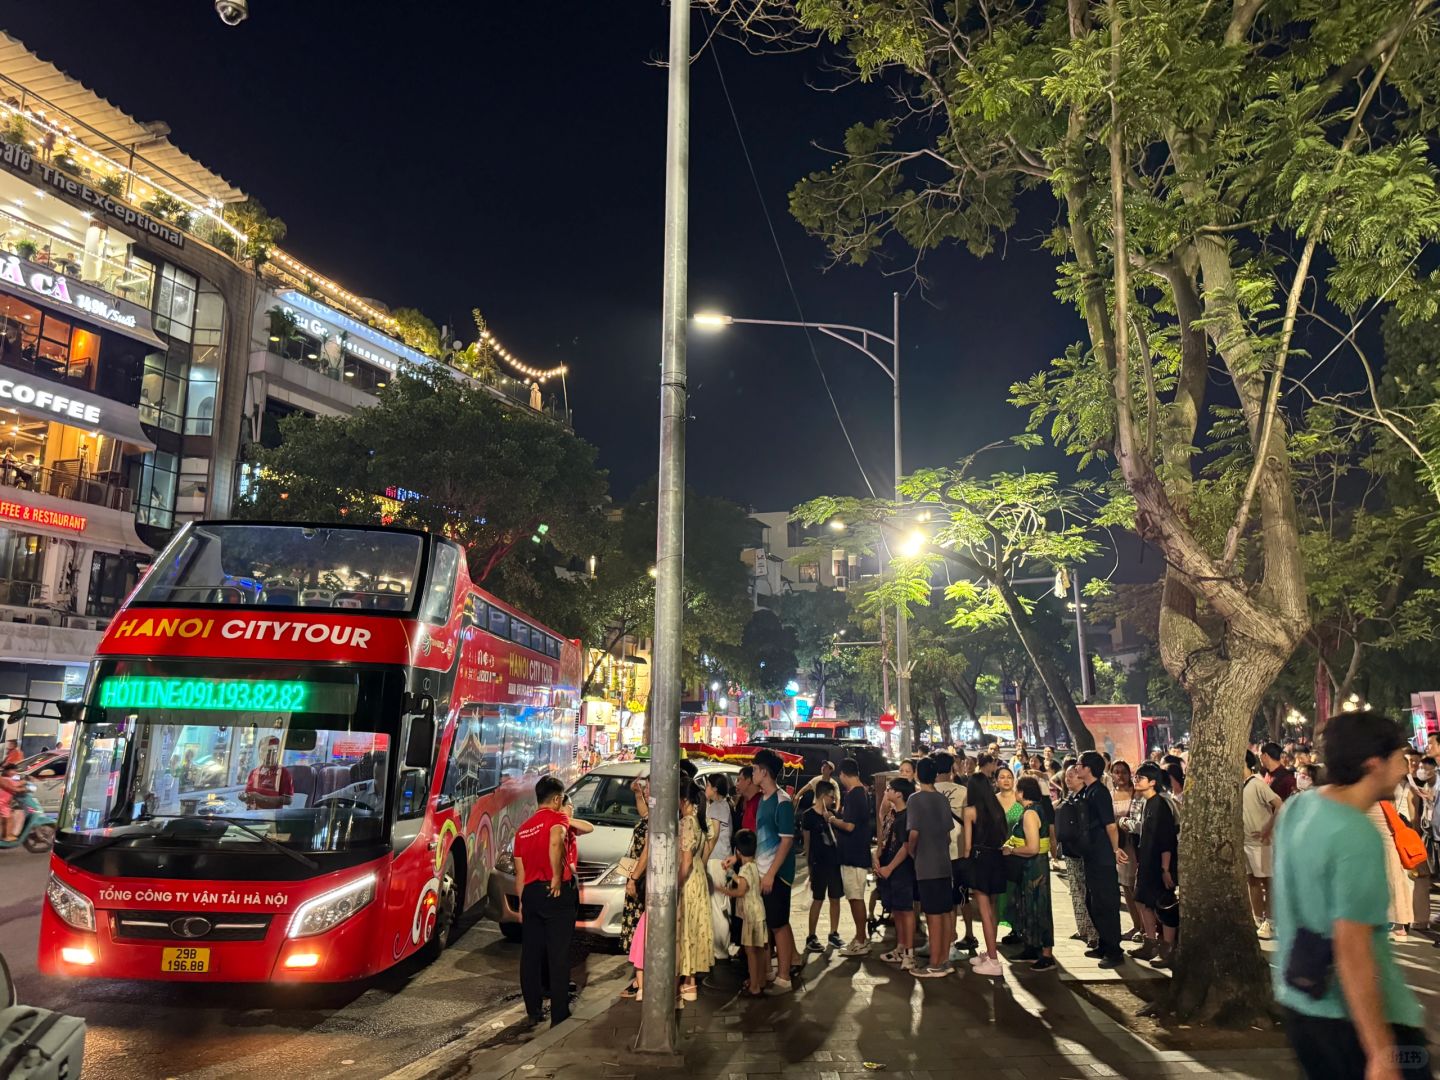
[
  {"x": 505, "y": 862},
  {"x": 616, "y": 876},
  {"x": 329, "y": 910},
  {"x": 74, "y": 909}
]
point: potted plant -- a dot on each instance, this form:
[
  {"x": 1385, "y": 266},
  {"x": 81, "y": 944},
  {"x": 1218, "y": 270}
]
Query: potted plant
[
  {"x": 111, "y": 184},
  {"x": 282, "y": 326},
  {"x": 26, "y": 249}
]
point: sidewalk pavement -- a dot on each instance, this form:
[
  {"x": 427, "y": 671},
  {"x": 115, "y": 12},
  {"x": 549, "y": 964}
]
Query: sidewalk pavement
[{"x": 861, "y": 1016}]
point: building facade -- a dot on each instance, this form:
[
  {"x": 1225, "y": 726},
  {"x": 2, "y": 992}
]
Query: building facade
[{"x": 787, "y": 561}]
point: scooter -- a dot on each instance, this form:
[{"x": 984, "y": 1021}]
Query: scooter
[{"x": 37, "y": 834}]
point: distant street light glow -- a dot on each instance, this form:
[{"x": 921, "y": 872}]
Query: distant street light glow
[
  {"x": 712, "y": 321},
  {"x": 912, "y": 545},
  {"x": 837, "y": 525}
]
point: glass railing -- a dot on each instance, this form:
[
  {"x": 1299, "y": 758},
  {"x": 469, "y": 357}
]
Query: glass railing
[
  {"x": 131, "y": 280},
  {"x": 67, "y": 480}
]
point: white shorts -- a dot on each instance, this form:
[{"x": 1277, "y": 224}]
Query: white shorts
[
  {"x": 1258, "y": 858},
  {"x": 852, "y": 879}
]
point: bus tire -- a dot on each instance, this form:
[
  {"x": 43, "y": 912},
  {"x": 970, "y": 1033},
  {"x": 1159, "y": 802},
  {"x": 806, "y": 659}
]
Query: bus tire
[
  {"x": 446, "y": 907},
  {"x": 511, "y": 931}
]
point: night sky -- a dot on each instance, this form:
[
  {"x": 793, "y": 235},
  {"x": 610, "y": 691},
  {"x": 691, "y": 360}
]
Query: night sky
[{"x": 509, "y": 156}]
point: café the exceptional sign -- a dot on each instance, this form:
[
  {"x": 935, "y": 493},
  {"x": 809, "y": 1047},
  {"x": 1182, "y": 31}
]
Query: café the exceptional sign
[{"x": 19, "y": 160}]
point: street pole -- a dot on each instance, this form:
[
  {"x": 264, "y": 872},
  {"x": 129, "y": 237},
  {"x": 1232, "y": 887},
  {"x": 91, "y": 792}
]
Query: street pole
[
  {"x": 1086, "y": 690},
  {"x": 658, "y": 1033},
  {"x": 902, "y": 628}
]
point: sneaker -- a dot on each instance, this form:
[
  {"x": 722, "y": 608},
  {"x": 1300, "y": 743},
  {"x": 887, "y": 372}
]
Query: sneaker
[
  {"x": 1110, "y": 962},
  {"x": 1045, "y": 963},
  {"x": 928, "y": 972},
  {"x": 989, "y": 966},
  {"x": 1028, "y": 956},
  {"x": 894, "y": 956},
  {"x": 907, "y": 963},
  {"x": 1011, "y": 938},
  {"x": 779, "y": 986},
  {"x": 1265, "y": 931},
  {"x": 977, "y": 959},
  {"x": 835, "y": 940},
  {"x": 968, "y": 943},
  {"x": 812, "y": 944},
  {"x": 856, "y": 948},
  {"x": 1095, "y": 952}
]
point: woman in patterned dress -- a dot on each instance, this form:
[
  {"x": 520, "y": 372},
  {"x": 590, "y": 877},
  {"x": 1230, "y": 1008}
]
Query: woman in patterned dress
[
  {"x": 695, "y": 950},
  {"x": 1010, "y": 803},
  {"x": 639, "y": 850}
]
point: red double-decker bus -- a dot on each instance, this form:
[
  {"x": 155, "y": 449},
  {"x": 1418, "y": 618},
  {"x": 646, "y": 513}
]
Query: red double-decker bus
[{"x": 302, "y": 751}]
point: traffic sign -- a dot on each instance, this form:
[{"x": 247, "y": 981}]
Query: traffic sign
[{"x": 886, "y": 722}]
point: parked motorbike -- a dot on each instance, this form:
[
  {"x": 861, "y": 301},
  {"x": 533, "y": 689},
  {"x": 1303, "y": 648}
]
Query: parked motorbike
[{"x": 37, "y": 834}]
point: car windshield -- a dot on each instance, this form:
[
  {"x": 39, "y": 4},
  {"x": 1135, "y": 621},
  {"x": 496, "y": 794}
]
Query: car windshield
[
  {"x": 603, "y": 799},
  {"x": 299, "y": 755},
  {"x": 287, "y": 566}
]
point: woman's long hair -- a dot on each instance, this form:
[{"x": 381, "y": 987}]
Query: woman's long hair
[{"x": 989, "y": 829}]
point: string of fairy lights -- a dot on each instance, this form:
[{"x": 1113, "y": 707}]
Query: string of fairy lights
[{"x": 145, "y": 185}]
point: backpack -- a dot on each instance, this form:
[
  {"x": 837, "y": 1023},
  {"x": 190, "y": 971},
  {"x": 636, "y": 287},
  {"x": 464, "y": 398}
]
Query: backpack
[{"x": 1072, "y": 826}]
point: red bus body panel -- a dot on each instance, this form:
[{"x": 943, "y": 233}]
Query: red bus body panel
[{"x": 477, "y": 668}]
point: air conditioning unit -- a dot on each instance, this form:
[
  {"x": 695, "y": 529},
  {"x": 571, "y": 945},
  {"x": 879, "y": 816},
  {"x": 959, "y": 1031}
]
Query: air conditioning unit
[{"x": 39, "y": 619}]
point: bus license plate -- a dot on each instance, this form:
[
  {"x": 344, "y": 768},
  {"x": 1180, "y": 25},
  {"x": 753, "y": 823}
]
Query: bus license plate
[{"x": 185, "y": 960}]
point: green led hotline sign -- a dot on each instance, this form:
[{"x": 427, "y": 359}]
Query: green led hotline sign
[{"x": 224, "y": 695}]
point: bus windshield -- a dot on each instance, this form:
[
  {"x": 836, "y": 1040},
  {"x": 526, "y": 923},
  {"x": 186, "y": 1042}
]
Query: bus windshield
[
  {"x": 287, "y": 566},
  {"x": 234, "y": 755}
]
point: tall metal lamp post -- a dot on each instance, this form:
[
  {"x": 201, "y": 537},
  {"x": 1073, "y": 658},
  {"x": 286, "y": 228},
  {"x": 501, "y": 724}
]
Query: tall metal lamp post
[{"x": 859, "y": 338}]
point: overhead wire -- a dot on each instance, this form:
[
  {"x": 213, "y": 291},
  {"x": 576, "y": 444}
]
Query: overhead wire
[{"x": 784, "y": 266}]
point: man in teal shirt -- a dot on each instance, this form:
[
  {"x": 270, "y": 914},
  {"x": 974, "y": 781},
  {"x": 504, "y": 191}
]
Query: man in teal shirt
[{"x": 1361, "y": 1020}]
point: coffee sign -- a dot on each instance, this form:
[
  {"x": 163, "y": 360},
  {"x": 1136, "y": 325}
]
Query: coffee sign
[{"x": 18, "y": 159}]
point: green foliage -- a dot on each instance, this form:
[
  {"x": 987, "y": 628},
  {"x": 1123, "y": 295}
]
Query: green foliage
[
  {"x": 417, "y": 331},
  {"x": 261, "y": 231},
  {"x": 485, "y": 474}
]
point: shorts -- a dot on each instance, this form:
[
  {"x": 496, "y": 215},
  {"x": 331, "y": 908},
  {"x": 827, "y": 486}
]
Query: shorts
[
  {"x": 777, "y": 905},
  {"x": 853, "y": 879},
  {"x": 897, "y": 892},
  {"x": 936, "y": 896},
  {"x": 987, "y": 872},
  {"x": 825, "y": 881},
  {"x": 1258, "y": 858}
]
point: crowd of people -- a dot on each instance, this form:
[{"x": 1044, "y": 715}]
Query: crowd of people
[{"x": 960, "y": 844}]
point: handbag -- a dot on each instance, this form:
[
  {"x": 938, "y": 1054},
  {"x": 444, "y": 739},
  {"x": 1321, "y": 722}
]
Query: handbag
[
  {"x": 1408, "y": 844},
  {"x": 626, "y": 866}
]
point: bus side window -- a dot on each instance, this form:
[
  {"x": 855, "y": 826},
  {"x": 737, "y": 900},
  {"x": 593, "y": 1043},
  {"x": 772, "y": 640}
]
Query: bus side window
[
  {"x": 499, "y": 623},
  {"x": 521, "y": 745},
  {"x": 471, "y": 770}
]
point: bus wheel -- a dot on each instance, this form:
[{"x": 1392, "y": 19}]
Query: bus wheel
[
  {"x": 511, "y": 931},
  {"x": 445, "y": 905}
]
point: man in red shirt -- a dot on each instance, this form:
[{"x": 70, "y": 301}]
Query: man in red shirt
[
  {"x": 545, "y": 873},
  {"x": 269, "y": 785},
  {"x": 749, "y": 793}
]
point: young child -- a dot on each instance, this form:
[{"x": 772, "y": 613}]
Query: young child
[
  {"x": 744, "y": 886},
  {"x": 896, "y": 872}
]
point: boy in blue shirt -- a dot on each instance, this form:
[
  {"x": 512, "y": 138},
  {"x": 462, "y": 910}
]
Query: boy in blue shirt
[{"x": 1353, "y": 1015}]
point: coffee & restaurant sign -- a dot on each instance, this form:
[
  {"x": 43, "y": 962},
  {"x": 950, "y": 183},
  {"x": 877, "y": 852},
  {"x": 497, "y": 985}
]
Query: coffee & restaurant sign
[{"x": 22, "y": 162}]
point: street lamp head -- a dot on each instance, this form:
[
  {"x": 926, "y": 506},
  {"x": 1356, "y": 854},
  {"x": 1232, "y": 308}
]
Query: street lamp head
[
  {"x": 912, "y": 545},
  {"x": 838, "y": 525},
  {"x": 712, "y": 321}
]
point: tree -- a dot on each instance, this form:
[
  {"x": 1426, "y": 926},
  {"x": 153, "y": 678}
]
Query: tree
[
  {"x": 620, "y": 601},
  {"x": 440, "y": 454},
  {"x": 261, "y": 231},
  {"x": 818, "y": 618},
  {"x": 1205, "y": 159},
  {"x": 417, "y": 330},
  {"x": 764, "y": 660},
  {"x": 992, "y": 529}
]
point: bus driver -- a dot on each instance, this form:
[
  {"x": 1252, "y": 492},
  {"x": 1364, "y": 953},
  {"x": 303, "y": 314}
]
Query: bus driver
[{"x": 269, "y": 786}]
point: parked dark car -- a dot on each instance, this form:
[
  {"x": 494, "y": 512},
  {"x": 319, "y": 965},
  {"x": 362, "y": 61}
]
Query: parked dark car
[{"x": 815, "y": 751}]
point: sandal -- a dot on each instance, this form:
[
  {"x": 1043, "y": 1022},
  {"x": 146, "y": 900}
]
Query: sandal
[
  {"x": 690, "y": 993},
  {"x": 630, "y": 991}
]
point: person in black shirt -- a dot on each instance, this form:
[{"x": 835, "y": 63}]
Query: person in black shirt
[
  {"x": 852, "y": 830},
  {"x": 1102, "y": 853},
  {"x": 824, "y": 854}
]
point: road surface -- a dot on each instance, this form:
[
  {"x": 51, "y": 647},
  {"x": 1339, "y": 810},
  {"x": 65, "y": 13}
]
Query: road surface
[{"x": 214, "y": 1032}]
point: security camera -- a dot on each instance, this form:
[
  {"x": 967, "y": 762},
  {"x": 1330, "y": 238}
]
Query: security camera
[{"x": 232, "y": 12}]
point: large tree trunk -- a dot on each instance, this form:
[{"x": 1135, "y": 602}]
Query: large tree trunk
[{"x": 1220, "y": 974}]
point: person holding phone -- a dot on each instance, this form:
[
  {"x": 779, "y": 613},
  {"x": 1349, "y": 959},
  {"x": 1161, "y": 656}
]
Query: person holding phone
[{"x": 545, "y": 857}]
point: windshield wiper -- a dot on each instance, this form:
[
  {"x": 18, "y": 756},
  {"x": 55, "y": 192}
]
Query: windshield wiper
[
  {"x": 109, "y": 841},
  {"x": 244, "y": 827}
]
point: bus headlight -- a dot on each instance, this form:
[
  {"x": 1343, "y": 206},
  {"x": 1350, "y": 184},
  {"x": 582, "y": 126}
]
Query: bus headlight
[
  {"x": 329, "y": 910},
  {"x": 74, "y": 909}
]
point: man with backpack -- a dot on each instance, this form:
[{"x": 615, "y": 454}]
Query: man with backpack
[{"x": 1086, "y": 826}]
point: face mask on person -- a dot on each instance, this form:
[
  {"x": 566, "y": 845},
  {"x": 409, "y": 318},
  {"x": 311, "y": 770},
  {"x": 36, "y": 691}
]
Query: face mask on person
[{"x": 1302, "y": 781}]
